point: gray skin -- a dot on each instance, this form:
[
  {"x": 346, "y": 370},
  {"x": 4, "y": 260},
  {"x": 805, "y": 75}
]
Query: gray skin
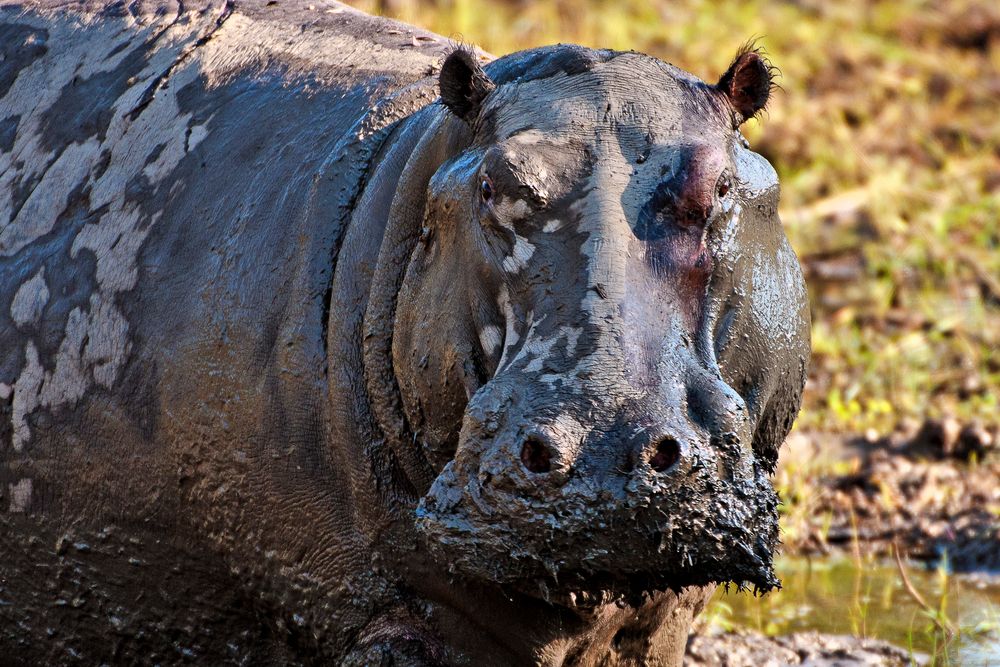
[{"x": 298, "y": 364}]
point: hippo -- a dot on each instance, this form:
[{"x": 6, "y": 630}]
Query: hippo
[{"x": 326, "y": 340}]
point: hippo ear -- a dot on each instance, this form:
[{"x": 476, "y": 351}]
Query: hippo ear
[
  {"x": 748, "y": 82},
  {"x": 464, "y": 84}
]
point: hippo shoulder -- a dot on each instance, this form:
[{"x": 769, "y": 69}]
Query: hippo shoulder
[{"x": 154, "y": 157}]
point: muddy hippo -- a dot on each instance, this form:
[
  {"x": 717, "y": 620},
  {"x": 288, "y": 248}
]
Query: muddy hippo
[{"x": 325, "y": 341}]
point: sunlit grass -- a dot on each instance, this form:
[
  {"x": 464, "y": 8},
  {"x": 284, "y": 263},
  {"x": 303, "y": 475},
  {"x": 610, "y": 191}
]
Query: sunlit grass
[
  {"x": 953, "y": 623},
  {"x": 886, "y": 138}
]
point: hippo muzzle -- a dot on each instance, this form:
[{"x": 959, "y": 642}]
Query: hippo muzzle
[{"x": 542, "y": 498}]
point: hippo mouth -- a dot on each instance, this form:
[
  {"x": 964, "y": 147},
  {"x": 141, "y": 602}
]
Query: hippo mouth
[
  {"x": 592, "y": 544},
  {"x": 585, "y": 592}
]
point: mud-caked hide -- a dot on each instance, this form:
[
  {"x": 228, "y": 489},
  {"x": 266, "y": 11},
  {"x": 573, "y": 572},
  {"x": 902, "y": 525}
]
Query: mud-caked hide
[{"x": 322, "y": 339}]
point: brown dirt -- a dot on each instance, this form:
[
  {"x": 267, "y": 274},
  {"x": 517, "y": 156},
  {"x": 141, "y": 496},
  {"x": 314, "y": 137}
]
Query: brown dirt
[
  {"x": 749, "y": 649},
  {"x": 934, "y": 490}
]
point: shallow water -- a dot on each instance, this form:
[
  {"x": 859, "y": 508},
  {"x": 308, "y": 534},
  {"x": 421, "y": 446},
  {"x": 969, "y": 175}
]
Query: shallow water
[{"x": 868, "y": 598}]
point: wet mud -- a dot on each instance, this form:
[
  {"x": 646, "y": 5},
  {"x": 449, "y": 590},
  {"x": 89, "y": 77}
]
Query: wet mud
[{"x": 932, "y": 490}]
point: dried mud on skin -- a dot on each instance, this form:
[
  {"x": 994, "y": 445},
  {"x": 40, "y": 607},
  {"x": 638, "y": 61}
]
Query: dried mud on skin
[{"x": 934, "y": 492}]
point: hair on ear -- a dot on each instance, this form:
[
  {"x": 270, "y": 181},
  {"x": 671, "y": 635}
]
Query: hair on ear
[
  {"x": 464, "y": 84},
  {"x": 749, "y": 81}
]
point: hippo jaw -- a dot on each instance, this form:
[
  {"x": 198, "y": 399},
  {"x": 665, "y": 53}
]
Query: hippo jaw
[
  {"x": 596, "y": 550},
  {"x": 621, "y": 538}
]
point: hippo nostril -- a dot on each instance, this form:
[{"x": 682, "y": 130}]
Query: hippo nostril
[
  {"x": 668, "y": 453},
  {"x": 536, "y": 456}
]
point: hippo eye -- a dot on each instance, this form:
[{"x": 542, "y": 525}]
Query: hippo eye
[
  {"x": 722, "y": 188},
  {"x": 486, "y": 189}
]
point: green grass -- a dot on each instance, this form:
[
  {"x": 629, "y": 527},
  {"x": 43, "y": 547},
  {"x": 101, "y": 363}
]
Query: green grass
[
  {"x": 954, "y": 622},
  {"x": 887, "y": 141}
]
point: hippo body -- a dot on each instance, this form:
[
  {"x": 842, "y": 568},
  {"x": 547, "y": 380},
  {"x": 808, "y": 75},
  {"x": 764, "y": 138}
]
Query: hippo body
[{"x": 299, "y": 364}]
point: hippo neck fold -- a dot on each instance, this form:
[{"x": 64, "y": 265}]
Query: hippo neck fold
[
  {"x": 402, "y": 231},
  {"x": 440, "y": 137},
  {"x": 405, "y": 142}
]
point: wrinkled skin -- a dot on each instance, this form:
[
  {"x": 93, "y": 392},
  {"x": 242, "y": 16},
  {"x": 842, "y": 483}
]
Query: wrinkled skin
[{"x": 297, "y": 364}]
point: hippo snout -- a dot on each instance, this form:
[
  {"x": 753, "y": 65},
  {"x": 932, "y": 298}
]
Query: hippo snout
[
  {"x": 544, "y": 455},
  {"x": 549, "y": 453},
  {"x": 562, "y": 492}
]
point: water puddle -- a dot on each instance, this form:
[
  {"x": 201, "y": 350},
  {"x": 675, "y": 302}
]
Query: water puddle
[{"x": 870, "y": 599}]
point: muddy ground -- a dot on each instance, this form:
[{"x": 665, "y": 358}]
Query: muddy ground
[
  {"x": 750, "y": 649},
  {"x": 932, "y": 489}
]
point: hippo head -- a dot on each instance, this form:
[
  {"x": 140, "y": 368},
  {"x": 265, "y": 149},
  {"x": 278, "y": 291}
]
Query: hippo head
[{"x": 602, "y": 334}]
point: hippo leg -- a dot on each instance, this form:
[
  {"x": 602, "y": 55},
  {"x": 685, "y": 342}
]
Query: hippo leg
[
  {"x": 659, "y": 633},
  {"x": 399, "y": 639},
  {"x": 655, "y": 633}
]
